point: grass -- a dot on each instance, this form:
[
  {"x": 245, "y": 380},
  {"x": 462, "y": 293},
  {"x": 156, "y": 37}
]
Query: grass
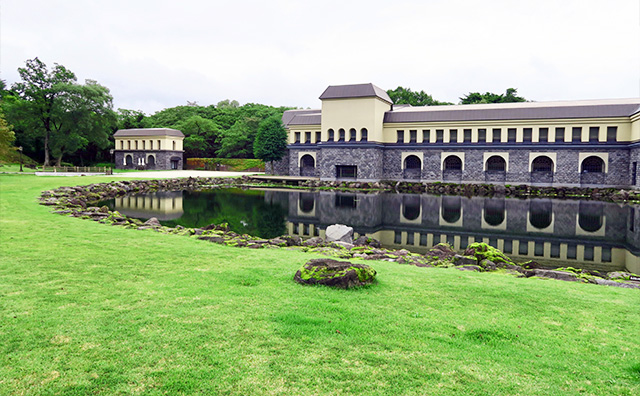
[{"x": 87, "y": 308}]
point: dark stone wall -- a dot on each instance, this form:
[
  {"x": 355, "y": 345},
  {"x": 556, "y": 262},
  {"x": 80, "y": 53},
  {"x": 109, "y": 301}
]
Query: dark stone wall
[
  {"x": 281, "y": 168},
  {"x": 162, "y": 159},
  {"x": 369, "y": 161}
]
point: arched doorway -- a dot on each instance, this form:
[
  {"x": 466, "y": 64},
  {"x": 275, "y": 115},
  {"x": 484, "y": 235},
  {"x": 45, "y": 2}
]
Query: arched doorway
[
  {"x": 540, "y": 214},
  {"x": 591, "y": 216},
  {"x": 128, "y": 161},
  {"x": 412, "y": 167},
  {"x": 151, "y": 162},
  {"x": 307, "y": 166},
  {"x": 451, "y": 209}
]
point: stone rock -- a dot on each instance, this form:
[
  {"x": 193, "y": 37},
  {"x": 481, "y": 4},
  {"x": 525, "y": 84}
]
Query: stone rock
[
  {"x": 364, "y": 240},
  {"x": 339, "y": 232},
  {"x": 488, "y": 265},
  {"x": 476, "y": 268},
  {"x": 619, "y": 275},
  {"x": 340, "y": 244},
  {"x": 214, "y": 239},
  {"x": 313, "y": 242},
  {"x": 278, "y": 242},
  {"x": 292, "y": 240},
  {"x": 463, "y": 260},
  {"x": 441, "y": 251},
  {"x": 153, "y": 222},
  {"x": 483, "y": 251},
  {"x": 341, "y": 274},
  {"x": 552, "y": 274},
  {"x": 607, "y": 282},
  {"x": 401, "y": 253}
]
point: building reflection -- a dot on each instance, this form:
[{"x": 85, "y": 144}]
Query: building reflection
[
  {"x": 165, "y": 205},
  {"x": 596, "y": 235}
]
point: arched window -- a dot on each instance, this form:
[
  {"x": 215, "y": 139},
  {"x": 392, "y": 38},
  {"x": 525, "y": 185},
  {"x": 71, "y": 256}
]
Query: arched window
[
  {"x": 453, "y": 162},
  {"x": 341, "y": 134},
  {"x": 591, "y": 216},
  {"x": 451, "y": 209},
  {"x": 128, "y": 160},
  {"x": 307, "y": 161},
  {"x": 151, "y": 161},
  {"x": 173, "y": 144},
  {"x": 412, "y": 162},
  {"x": 542, "y": 164},
  {"x": 307, "y": 202},
  {"x": 494, "y": 211},
  {"x": 592, "y": 164},
  {"x": 352, "y": 135},
  {"x": 410, "y": 207},
  {"x": 331, "y": 135},
  {"x": 122, "y": 145},
  {"x": 136, "y": 144},
  {"x": 540, "y": 213},
  {"x": 495, "y": 163},
  {"x": 364, "y": 135}
]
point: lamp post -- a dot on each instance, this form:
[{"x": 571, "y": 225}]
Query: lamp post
[
  {"x": 20, "y": 150},
  {"x": 112, "y": 161}
]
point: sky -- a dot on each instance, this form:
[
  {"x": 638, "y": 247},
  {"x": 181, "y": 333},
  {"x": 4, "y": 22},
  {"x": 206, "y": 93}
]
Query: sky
[{"x": 158, "y": 54}]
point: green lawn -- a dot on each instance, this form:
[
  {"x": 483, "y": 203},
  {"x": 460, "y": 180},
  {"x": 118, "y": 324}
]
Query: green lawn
[{"x": 87, "y": 308}]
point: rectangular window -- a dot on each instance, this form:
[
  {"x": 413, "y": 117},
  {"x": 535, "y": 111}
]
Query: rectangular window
[
  {"x": 523, "y": 249},
  {"x": 572, "y": 251},
  {"x": 588, "y": 253},
  {"x": 543, "y": 134},
  {"x": 508, "y": 246},
  {"x": 144, "y": 144},
  {"x": 439, "y": 135},
  {"x": 136, "y": 144},
  {"x": 555, "y": 250},
  {"x": 497, "y": 135},
  {"x": 346, "y": 171},
  {"x": 400, "y": 135},
  {"x": 318, "y": 137},
  {"x": 511, "y": 135},
  {"x": 467, "y": 135},
  {"x": 606, "y": 255},
  {"x": 453, "y": 136},
  {"x": 559, "y": 135},
  {"x": 426, "y": 135},
  {"x": 307, "y": 137},
  {"x": 527, "y": 135},
  {"x": 538, "y": 249},
  {"x": 612, "y": 134},
  {"x": 346, "y": 201},
  {"x": 410, "y": 238},
  {"x": 159, "y": 147},
  {"x": 150, "y": 144},
  {"x": 122, "y": 145},
  {"x": 342, "y": 135},
  {"x": 576, "y": 134},
  {"x": 397, "y": 237},
  {"x": 305, "y": 229},
  {"x": 413, "y": 136},
  {"x": 364, "y": 135},
  {"x": 482, "y": 135},
  {"x": 331, "y": 137},
  {"x": 297, "y": 137},
  {"x": 594, "y": 134},
  {"x": 423, "y": 239}
]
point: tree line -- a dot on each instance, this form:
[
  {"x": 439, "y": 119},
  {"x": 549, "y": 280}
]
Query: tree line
[{"x": 57, "y": 119}]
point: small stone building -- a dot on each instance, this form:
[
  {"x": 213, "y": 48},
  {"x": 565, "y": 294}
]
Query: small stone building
[{"x": 149, "y": 148}]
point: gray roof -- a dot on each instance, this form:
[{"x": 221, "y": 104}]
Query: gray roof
[
  {"x": 148, "y": 132},
  {"x": 289, "y": 115},
  {"x": 516, "y": 111},
  {"x": 355, "y": 91}
]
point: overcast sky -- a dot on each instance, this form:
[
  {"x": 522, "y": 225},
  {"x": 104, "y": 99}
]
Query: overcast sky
[{"x": 158, "y": 54}]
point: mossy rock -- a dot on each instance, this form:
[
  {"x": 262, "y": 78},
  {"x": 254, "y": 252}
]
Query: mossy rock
[
  {"x": 482, "y": 251},
  {"x": 340, "y": 274}
]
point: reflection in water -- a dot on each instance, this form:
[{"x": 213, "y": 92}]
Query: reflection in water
[
  {"x": 594, "y": 235},
  {"x": 494, "y": 211},
  {"x": 451, "y": 209},
  {"x": 540, "y": 213},
  {"x": 590, "y": 216}
]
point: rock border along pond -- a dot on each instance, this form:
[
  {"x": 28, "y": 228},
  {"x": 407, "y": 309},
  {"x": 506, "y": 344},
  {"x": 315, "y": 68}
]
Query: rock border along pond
[{"x": 80, "y": 202}]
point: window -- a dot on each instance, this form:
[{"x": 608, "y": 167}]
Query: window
[
  {"x": 423, "y": 239},
  {"x": 572, "y": 251},
  {"x": 453, "y": 136},
  {"x": 453, "y": 162},
  {"x": 542, "y": 164},
  {"x": 538, "y": 249},
  {"x": 144, "y": 144},
  {"x": 330, "y": 138},
  {"x": 159, "y": 147},
  {"x": 297, "y": 137},
  {"x": 467, "y": 135},
  {"x": 559, "y": 135},
  {"x": 592, "y": 164},
  {"x": 588, "y": 253},
  {"x": 439, "y": 135},
  {"x": 576, "y": 134},
  {"x": 346, "y": 171},
  {"x": 364, "y": 135},
  {"x": 527, "y": 135},
  {"x": 594, "y": 133},
  {"x": 410, "y": 238},
  {"x": 413, "y": 136},
  {"x": 496, "y": 163},
  {"x": 511, "y": 135},
  {"x": 150, "y": 144},
  {"x": 397, "y": 237},
  {"x": 497, "y": 135},
  {"x": 341, "y": 133},
  {"x": 606, "y": 255},
  {"x": 122, "y": 145},
  {"x": 523, "y": 249},
  {"x": 318, "y": 137},
  {"x": 543, "y": 134},
  {"x": 612, "y": 134},
  {"x": 400, "y": 136},
  {"x": 482, "y": 135},
  {"x": 555, "y": 250},
  {"x": 173, "y": 144},
  {"x": 426, "y": 135},
  {"x": 307, "y": 137},
  {"x": 352, "y": 135}
]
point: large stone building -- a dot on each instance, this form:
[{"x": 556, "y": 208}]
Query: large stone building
[
  {"x": 148, "y": 148},
  {"x": 359, "y": 134}
]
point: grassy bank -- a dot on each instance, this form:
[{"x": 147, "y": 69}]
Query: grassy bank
[{"x": 87, "y": 308}]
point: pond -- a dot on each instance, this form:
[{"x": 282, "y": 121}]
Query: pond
[{"x": 556, "y": 233}]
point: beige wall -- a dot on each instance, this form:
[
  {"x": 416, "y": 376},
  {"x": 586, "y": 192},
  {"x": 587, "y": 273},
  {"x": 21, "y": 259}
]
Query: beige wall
[
  {"x": 356, "y": 113},
  {"x": 149, "y": 143},
  {"x": 302, "y": 129},
  {"x": 623, "y": 124}
]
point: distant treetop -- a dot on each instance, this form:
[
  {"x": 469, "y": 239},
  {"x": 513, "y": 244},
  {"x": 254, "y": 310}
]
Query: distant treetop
[
  {"x": 402, "y": 95},
  {"x": 510, "y": 96}
]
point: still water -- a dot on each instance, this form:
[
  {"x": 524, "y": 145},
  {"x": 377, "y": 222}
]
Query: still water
[{"x": 586, "y": 234}]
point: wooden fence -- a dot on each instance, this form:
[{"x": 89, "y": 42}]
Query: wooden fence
[{"x": 78, "y": 169}]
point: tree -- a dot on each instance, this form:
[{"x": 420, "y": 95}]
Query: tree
[
  {"x": 202, "y": 136},
  {"x": 130, "y": 119},
  {"x": 402, "y": 95},
  {"x": 7, "y": 136},
  {"x": 271, "y": 141},
  {"x": 509, "y": 96},
  {"x": 237, "y": 142}
]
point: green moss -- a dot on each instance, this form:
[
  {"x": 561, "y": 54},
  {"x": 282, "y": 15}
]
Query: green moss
[{"x": 484, "y": 251}]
